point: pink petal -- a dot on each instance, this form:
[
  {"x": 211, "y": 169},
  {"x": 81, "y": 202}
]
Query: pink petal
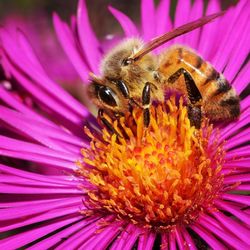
[
  {"x": 53, "y": 240},
  {"x": 146, "y": 241},
  {"x": 222, "y": 233},
  {"x": 181, "y": 17},
  {"x": 87, "y": 37},
  {"x": 66, "y": 39},
  {"x": 192, "y": 39},
  {"x": 209, "y": 31},
  {"x": 208, "y": 237},
  {"x": 127, "y": 238},
  {"x": 226, "y": 206},
  {"x": 148, "y": 19},
  {"x": 21, "y": 239},
  {"x": 236, "y": 228},
  {"x": 126, "y": 23},
  {"x": 242, "y": 80},
  {"x": 41, "y": 79},
  {"x": 163, "y": 18},
  {"x": 243, "y": 199},
  {"x": 188, "y": 239},
  {"x": 101, "y": 240}
]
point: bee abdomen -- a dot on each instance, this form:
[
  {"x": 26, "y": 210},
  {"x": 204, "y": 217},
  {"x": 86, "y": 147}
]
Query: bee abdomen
[
  {"x": 211, "y": 76},
  {"x": 222, "y": 85},
  {"x": 232, "y": 104}
]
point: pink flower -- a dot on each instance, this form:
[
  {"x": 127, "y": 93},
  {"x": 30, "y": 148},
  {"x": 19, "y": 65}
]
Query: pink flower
[
  {"x": 45, "y": 45},
  {"x": 44, "y": 210}
]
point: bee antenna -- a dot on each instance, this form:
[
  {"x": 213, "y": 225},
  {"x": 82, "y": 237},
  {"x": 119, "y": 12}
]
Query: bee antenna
[
  {"x": 160, "y": 40},
  {"x": 95, "y": 78}
]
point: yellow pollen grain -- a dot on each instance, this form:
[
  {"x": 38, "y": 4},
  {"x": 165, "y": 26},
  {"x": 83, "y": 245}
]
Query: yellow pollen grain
[{"x": 160, "y": 176}]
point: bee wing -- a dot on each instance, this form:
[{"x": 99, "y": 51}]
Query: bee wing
[{"x": 158, "y": 41}]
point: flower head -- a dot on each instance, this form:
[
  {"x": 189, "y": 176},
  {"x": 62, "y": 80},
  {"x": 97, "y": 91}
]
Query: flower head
[
  {"x": 163, "y": 186},
  {"x": 161, "y": 176}
]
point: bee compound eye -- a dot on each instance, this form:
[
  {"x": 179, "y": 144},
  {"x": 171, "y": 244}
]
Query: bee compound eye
[{"x": 107, "y": 96}]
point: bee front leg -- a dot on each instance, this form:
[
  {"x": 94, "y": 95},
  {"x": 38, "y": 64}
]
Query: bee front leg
[
  {"x": 106, "y": 123},
  {"x": 194, "y": 96},
  {"x": 146, "y": 103}
]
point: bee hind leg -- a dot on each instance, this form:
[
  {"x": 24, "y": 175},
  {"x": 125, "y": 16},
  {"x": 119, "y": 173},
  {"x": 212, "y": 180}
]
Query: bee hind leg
[
  {"x": 194, "y": 96},
  {"x": 146, "y": 104},
  {"x": 194, "y": 115}
]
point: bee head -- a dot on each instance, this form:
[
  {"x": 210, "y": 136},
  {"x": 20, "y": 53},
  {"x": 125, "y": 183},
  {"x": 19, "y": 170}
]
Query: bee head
[{"x": 117, "y": 64}]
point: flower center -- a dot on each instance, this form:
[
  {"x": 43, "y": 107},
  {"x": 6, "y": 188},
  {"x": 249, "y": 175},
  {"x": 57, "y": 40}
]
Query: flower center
[{"x": 158, "y": 176}]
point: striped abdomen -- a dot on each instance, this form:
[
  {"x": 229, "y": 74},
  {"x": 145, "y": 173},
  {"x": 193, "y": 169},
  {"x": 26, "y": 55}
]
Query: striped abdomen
[{"x": 219, "y": 99}]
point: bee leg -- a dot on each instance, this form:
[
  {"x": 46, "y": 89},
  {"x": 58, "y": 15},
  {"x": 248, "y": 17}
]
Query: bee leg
[
  {"x": 194, "y": 115},
  {"x": 146, "y": 102},
  {"x": 194, "y": 96},
  {"x": 106, "y": 123}
]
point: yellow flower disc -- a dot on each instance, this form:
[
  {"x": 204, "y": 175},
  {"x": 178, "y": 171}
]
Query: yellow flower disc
[{"x": 158, "y": 176}]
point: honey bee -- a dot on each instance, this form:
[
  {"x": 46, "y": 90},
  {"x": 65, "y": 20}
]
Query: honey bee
[{"x": 132, "y": 75}]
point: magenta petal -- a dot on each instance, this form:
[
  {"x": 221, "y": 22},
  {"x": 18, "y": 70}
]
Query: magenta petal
[
  {"x": 243, "y": 79},
  {"x": 210, "y": 30},
  {"x": 236, "y": 178},
  {"x": 43, "y": 81},
  {"x": 195, "y": 13},
  {"x": 179, "y": 239},
  {"x": 40, "y": 159},
  {"x": 238, "y": 152},
  {"x": 27, "y": 176},
  {"x": 164, "y": 241},
  {"x": 77, "y": 239},
  {"x": 133, "y": 236},
  {"x": 37, "y": 218},
  {"x": 146, "y": 241},
  {"x": 9, "y": 99},
  {"x": 243, "y": 199},
  {"x": 28, "y": 51},
  {"x": 26, "y": 211},
  {"x": 222, "y": 233},
  {"x": 126, "y": 23},
  {"x": 243, "y": 187},
  {"x": 49, "y": 102},
  {"x": 172, "y": 240},
  {"x": 238, "y": 139},
  {"x": 11, "y": 189},
  {"x": 67, "y": 42},
  {"x": 21, "y": 239},
  {"x": 181, "y": 17},
  {"x": 236, "y": 24},
  {"x": 188, "y": 239},
  {"x": 235, "y": 126},
  {"x": 208, "y": 237},
  {"x": 226, "y": 206},
  {"x": 54, "y": 240},
  {"x": 162, "y": 17},
  {"x": 101, "y": 240},
  {"x": 87, "y": 37},
  {"x": 236, "y": 228},
  {"x": 21, "y": 146},
  {"x": 240, "y": 53},
  {"x": 148, "y": 19},
  {"x": 13, "y": 119},
  {"x": 127, "y": 238}
]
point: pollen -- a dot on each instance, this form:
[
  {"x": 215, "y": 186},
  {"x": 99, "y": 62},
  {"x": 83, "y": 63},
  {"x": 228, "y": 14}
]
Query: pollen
[{"x": 157, "y": 177}]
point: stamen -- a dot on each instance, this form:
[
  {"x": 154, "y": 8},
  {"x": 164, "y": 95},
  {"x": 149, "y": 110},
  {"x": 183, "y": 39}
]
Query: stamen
[{"x": 161, "y": 176}]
